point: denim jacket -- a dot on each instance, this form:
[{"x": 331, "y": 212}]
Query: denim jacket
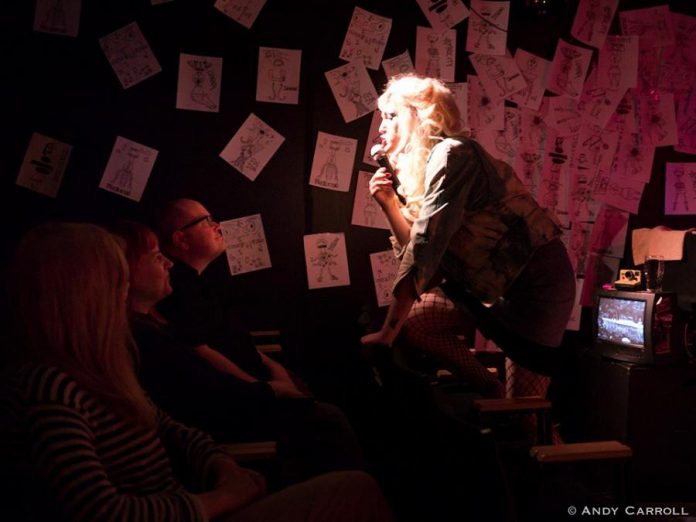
[{"x": 478, "y": 226}]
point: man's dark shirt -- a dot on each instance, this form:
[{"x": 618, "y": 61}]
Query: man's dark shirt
[
  {"x": 194, "y": 392},
  {"x": 200, "y": 316}
]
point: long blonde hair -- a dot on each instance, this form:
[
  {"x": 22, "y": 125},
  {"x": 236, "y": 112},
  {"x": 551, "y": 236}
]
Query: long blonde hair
[
  {"x": 69, "y": 286},
  {"x": 435, "y": 114}
]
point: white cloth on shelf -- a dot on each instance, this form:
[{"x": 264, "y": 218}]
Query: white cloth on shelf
[{"x": 658, "y": 241}]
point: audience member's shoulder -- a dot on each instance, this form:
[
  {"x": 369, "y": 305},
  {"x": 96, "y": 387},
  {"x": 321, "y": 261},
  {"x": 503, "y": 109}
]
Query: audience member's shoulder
[{"x": 42, "y": 383}]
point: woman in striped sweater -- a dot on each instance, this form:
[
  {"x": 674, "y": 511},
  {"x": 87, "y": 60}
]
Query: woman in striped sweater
[{"x": 86, "y": 442}]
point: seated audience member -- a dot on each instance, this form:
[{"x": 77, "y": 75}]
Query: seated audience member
[
  {"x": 84, "y": 439},
  {"x": 312, "y": 437}
]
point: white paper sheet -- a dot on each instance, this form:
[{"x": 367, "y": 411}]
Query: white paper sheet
[
  {"x": 436, "y": 53},
  {"x": 568, "y": 69},
  {"x": 653, "y": 25},
  {"x": 385, "y": 266},
  {"x": 483, "y": 113},
  {"x": 252, "y": 147},
  {"x": 499, "y": 75},
  {"x": 460, "y": 92},
  {"x": 130, "y": 55},
  {"x": 326, "y": 260},
  {"x": 535, "y": 71},
  {"x": 128, "y": 169},
  {"x": 245, "y": 244},
  {"x": 353, "y": 90},
  {"x": 372, "y": 138},
  {"x": 618, "y": 63},
  {"x": 332, "y": 166},
  {"x": 443, "y": 14},
  {"x": 244, "y": 12},
  {"x": 199, "y": 83},
  {"x": 399, "y": 64},
  {"x": 58, "y": 17},
  {"x": 366, "y": 211},
  {"x": 593, "y": 20},
  {"x": 278, "y": 77},
  {"x": 44, "y": 165},
  {"x": 488, "y": 26},
  {"x": 366, "y": 38},
  {"x": 680, "y": 189}
]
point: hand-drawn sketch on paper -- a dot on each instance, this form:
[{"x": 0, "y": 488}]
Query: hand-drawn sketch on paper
[
  {"x": 658, "y": 120},
  {"x": 680, "y": 189},
  {"x": 278, "y": 78},
  {"x": 443, "y": 14},
  {"x": 686, "y": 125},
  {"x": 503, "y": 144},
  {"x": 366, "y": 38},
  {"x": 332, "y": 166},
  {"x": 568, "y": 69},
  {"x": 618, "y": 63},
  {"x": 461, "y": 99},
  {"x": 58, "y": 17},
  {"x": 436, "y": 53},
  {"x": 366, "y": 211},
  {"x": 535, "y": 70},
  {"x": 598, "y": 104},
  {"x": 499, "y": 75},
  {"x": 327, "y": 260},
  {"x": 608, "y": 236},
  {"x": 199, "y": 83},
  {"x": 653, "y": 25},
  {"x": 44, "y": 165},
  {"x": 251, "y": 148},
  {"x": 245, "y": 244},
  {"x": 488, "y": 26},
  {"x": 385, "y": 266},
  {"x": 620, "y": 192},
  {"x": 128, "y": 169},
  {"x": 483, "y": 112},
  {"x": 399, "y": 64},
  {"x": 593, "y": 20},
  {"x": 353, "y": 90},
  {"x": 577, "y": 241},
  {"x": 563, "y": 115},
  {"x": 372, "y": 139},
  {"x": 129, "y": 55},
  {"x": 555, "y": 178},
  {"x": 244, "y": 12}
]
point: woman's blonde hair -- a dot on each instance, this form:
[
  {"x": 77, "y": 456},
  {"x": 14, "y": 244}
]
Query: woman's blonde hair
[
  {"x": 435, "y": 115},
  {"x": 69, "y": 287}
]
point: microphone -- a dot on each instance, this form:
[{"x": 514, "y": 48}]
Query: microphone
[{"x": 380, "y": 156}]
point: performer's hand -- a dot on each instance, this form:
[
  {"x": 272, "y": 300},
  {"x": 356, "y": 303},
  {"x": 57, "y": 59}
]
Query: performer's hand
[
  {"x": 381, "y": 187},
  {"x": 374, "y": 339}
]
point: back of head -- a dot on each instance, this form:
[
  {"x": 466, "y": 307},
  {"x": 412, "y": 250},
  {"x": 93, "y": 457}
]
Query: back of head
[
  {"x": 69, "y": 284},
  {"x": 169, "y": 218},
  {"x": 137, "y": 239}
]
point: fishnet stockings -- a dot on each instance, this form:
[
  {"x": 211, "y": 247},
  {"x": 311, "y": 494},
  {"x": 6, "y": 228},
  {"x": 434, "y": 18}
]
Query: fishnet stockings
[{"x": 433, "y": 325}]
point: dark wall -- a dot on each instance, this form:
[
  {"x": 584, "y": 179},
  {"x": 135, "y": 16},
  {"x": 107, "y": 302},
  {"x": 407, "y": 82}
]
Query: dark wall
[{"x": 65, "y": 88}]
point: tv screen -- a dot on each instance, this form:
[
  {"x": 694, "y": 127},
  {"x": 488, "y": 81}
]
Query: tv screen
[{"x": 621, "y": 321}]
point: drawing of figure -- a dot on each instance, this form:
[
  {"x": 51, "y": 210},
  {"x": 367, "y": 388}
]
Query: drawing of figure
[
  {"x": 328, "y": 177},
  {"x": 679, "y": 190},
  {"x": 54, "y": 19},
  {"x": 252, "y": 143},
  {"x": 200, "y": 93},
  {"x": 625, "y": 193},
  {"x": 578, "y": 247},
  {"x": 496, "y": 72},
  {"x": 596, "y": 144},
  {"x": 432, "y": 67},
  {"x": 349, "y": 85},
  {"x": 370, "y": 210},
  {"x": 530, "y": 73},
  {"x": 277, "y": 74},
  {"x": 123, "y": 177},
  {"x": 657, "y": 125},
  {"x": 530, "y": 162},
  {"x": 325, "y": 258},
  {"x": 486, "y": 111},
  {"x": 569, "y": 71},
  {"x": 588, "y": 24},
  {"x": 635, "y": 158},
  {"x": 553, "y": 182},
  {"x": 484, "y": 24},
  {"x": 582, "y": 193},
  {"x": 614, "y": 70},
  {"x": 692, "y": 175}
]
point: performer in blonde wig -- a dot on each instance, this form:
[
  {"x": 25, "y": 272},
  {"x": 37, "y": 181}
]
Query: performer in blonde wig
[{"x": 470, "y": 227}]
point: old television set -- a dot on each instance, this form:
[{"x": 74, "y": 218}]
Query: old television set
[{"x": 638, "y": 327}]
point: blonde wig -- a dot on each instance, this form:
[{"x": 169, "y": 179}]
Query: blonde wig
[
  {"x": 434, "y": 115},
  {"x": 70, "y": 282}
]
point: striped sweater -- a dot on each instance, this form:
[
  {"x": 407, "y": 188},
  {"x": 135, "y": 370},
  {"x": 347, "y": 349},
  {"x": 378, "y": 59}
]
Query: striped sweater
[{"x": 82, "y": 462}]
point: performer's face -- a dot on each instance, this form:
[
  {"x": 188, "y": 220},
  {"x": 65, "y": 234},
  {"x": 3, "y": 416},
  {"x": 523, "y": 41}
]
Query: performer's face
[{"x": 397, "y": 124}]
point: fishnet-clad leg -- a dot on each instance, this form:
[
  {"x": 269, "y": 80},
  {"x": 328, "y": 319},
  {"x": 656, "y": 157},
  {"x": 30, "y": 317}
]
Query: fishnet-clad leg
[
  {"x": 522, "y": 382},
  {"x": 432, "y": 326}
]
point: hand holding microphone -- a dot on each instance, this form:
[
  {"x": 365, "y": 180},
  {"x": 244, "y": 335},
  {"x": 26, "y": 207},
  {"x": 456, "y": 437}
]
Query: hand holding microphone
[{"x": 380, "y": 156}]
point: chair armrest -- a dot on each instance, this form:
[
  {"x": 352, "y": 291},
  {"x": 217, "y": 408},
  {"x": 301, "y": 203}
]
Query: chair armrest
[
  {"x": 252, "y": 451},
  {"x": 266, "y": 341},
  {"x": 599, "y": 450}
]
